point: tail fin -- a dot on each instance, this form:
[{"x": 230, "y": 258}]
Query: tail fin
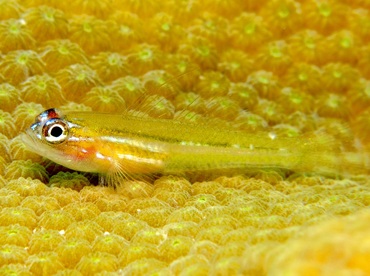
[{"x": 323, "y": 154}]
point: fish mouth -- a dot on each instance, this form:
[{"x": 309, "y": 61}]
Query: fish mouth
[{"x": 30, "y": 142}]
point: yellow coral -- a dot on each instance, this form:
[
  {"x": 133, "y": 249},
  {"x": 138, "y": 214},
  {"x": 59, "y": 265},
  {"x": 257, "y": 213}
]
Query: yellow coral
[
  {"x": 73, "y": 180},
  {"x": 15, "y": 35},
  {"x": 18, "y": 151},
  {"x": 9, "y": 97},
  {"x": 17, "y": 66},
  {"x": 10, "y": 9},
  {"x": 286, "y": 67},
  {"x": 97, "y": 262},
  {"x": 42, "y": 89},
  {"x": 71, "y": 251},
  {"x": 82, "y": 210},
  {"x": 85, "y": 229},
  {"x": 76, "y": 80},
  {"x": 46, "y": 23},
  {"x": 25, "y": 114},
  {"x": 104, "y": 99},
  {"x": 18, "y": 215},
  {"x": 90, "y": 33},
  {"x": 44, "y": 240},
  {"x": 40, "y": 204},
  {"x": 15, "y": 269},
  {"x": 110, "y": 66},
  {"x": 61, "y": 53},
  {"x": 56, "y": 219},
  {"x": 44, "y": 263},
  {"x": 7, "y": 125},
  {"x": 15, "y": 234},
  {"x": 12, "y": 254},
  {"x": 175, "y": 247},
  {"x": 26, "y": 168}
]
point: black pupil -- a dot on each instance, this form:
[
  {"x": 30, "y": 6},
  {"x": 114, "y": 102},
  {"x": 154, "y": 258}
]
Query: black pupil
[{"x": 56, "y": 131}]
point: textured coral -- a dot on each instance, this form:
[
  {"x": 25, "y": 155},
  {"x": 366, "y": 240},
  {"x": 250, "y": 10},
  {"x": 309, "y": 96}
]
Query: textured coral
[
  {"x": 73, "y": 180},
  {"x": 42, "y": 89},
  {"x": 104, "y": 99},
  {"x": 9, "y": 97},
  {"x": 287, "y": 67}
]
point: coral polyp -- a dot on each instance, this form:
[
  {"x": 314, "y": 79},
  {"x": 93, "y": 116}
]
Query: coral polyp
[
  {"x": 244, "y": 94},
  {"x": 71, "y": 251},
  {"x": 236, "y": 65},
  {"x": 44, "y": 262},
  {"x": 15, "y": 234},
  {"x": 61, "y": 53},
  {"x": 223, "y": 108},
  {"x": 161, "y": 83},
  {"x": 212, "y": 27},
  {"x": 298, "y": 100},
  {"x": 339, "y": 77},
  {"x": 89, "y": 32},
  {"x": 40, "y": 204},
  {"x": 331, "y": 105},
  {"x": 15, "y": 35},
  {"x": 73, "y": 180},
  {"x": 184, "y": 69},
  {"x": 85, "y": 229},
  {"x": 110, "y": 243},
  {"x": 304, "y": 45},
  {"x": 46, "y": 23},
  {"x": 265, "y": 82},
  {"x": 27, "y": 187},
  {"x": 144, "y": 57},
  {"x": 82, "y": 210},
  {"x": 340, "y": 47},
  {"x": 12, "y": 254},
  {"x": 101, "y": 9},
  {"x": 325, "y": 16},
  {"x": 104, "y": 99},
  {"x": 359, "y": 95},
  {"x": 18, "y": 215},
  {"x": 17, "y": 66},
  {"x": 249, "y": 31},
  {"x": 284, "y": 17},
  {"x": 25, "y": 114},
  {"x": 110, "y": 66},
  {"x": 10, "y": 9},
  {"x": 165, "y": 31},
  {"x": 7, "y": 124},
  {"x": 77, "y": 79},
  {"x": 306, "y": 77},
  {"x": 292, "y": 73},
  {"x": 158, "y": 107},
  {"x": 127, "y": 31},
  {"x": 212, "y": 84},
  {"x": 56, "y": 219},
  {"x": 96, "y": 262},
  {"x": 274, "y": 57},
  {"x": 26, "y": 168},
  {"x": 200, "y": 50},
  {"x": 42, "y": 89},
  {"x": 175, "y": 247},
  {"x": 9, "y": 97},
  {"x": 44, "y": 240}
]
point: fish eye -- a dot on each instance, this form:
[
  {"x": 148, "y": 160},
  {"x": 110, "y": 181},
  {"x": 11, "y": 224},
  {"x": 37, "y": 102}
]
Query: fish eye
[{"x": 55, "y": 131}]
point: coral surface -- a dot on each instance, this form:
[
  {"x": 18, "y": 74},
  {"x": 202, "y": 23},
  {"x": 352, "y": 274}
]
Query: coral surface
[{"x": 290, "y": 67}]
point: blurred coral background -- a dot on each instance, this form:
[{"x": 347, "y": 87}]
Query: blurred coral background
[{"x": 285, "y": 66}]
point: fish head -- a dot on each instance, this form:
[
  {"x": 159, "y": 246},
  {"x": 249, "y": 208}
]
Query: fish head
[{"x": 55, "y": 137}]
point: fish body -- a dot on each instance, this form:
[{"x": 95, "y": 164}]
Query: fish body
[{"x": 131, "y": 146}]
